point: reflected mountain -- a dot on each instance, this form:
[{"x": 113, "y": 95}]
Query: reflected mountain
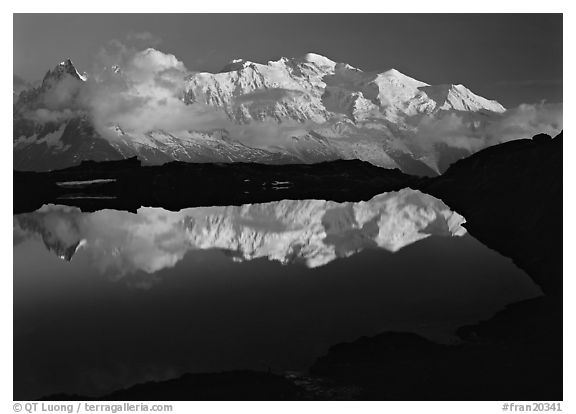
[{"x": 312, "y": 232}]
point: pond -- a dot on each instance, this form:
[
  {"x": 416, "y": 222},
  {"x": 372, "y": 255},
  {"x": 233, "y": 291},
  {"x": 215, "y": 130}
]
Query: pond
[{"x": 107, "y": 299}]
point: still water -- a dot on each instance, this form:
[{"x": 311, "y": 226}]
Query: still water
[{"x": 108, "y": 299}]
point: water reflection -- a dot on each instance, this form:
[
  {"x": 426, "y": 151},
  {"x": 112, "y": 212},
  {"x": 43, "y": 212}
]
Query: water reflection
[
  {"x": 314, "y": 232},
  {"x": 228, "y": 298}
]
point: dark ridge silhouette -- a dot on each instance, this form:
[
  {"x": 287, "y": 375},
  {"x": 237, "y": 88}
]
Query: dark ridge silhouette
[
  {"x": 511, "y": 197},
  {"x": 225, "y": 386},
  {"x": 411, "y": 165},
  {"x": 516, "y": 355},
  {"x": 179, "y": 185},
  {"x": 448, "y": 155}
]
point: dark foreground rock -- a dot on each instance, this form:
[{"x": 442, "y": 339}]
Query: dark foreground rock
[
  {"x": 516, "y": 355},
  {"x": 225, "y": 386},
  {"x": 511, "y": 197}
]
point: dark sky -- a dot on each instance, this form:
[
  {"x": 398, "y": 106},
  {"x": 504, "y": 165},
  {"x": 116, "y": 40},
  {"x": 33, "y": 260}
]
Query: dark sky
[{"x": 513, "y": 58}]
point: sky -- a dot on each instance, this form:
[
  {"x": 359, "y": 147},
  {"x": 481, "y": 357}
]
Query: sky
[{"x": 513, "y": 58}]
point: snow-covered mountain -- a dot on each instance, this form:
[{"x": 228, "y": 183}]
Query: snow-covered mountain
[
  {"x": 306, "y": 109},
  {"x": 315, "y": 88},
  {"x": 314, "y": 232}
]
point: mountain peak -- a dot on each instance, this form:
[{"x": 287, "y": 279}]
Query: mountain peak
[
  {"x": 65, "y": 67},
  {"x": 313, "y": 58},
  {"x": 237, "y": 64},
  {"x": 67, "y": 63},
  {"x": 396, "y": 79},
  {"x": 318, "y": 60},
  {"x": 395, "y": 73},
  {"x": 459, "y": 97}
]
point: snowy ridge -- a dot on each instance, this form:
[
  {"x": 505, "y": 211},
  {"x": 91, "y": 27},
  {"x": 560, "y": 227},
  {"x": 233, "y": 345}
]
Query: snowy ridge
[
  {"x": 305, "y": 88},
  {"x": 66, "y": 67},
  {"x": 460, "y": 98}
]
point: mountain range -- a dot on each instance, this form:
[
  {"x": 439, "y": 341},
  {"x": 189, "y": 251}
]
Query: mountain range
[{"x": 294, "y": 110}]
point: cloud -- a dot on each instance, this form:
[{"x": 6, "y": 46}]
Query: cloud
[
  {"x": 525, "y": 121},
  {"x": 119, "y": 243},
  {"x": 474, "y": 131},
  {"x": 62, "y": 93},
  {"x": 58, "y": 103},
  {"x": 147, "y": 94},
  {"x": 270, "y": 134},
  {"x": 144, "y": 65},
  {"x": 142, "y": 90},
  {"x": 448, "y": 128},
  {"x": 19, "y": 85},
  {"x": 44, "y": 115},
  {"x": 144, "y": 94}
]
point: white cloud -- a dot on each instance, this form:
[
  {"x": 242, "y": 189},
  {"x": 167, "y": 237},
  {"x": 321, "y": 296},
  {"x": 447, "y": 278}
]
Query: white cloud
[
  {"x": 43, "y": 115},
  {"x": 476, "y": 131},
  {"x": 144, "y": 95},
  {"x": 526, "y": 121}
]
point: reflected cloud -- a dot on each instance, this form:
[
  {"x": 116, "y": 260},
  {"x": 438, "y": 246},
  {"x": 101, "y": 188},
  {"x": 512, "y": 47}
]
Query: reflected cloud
[{"x": 312, "y": 232}]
